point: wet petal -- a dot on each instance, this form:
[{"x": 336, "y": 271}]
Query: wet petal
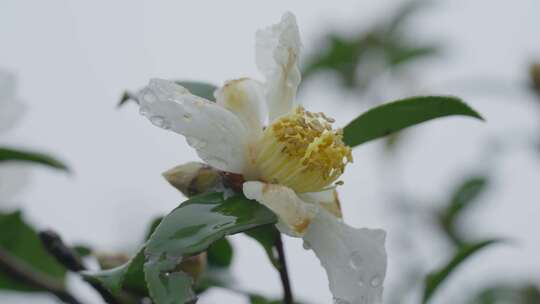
[
  {"x": 277, "y": 51},
  {"x": 354, "y": 259},
  {"x": 11, "y": 108},
  {"x": 217, "y": 134},
  {"x": 294, "y": 215},
  {"x": 14, "y": 177},
  {"x": 327, "y": 199},
  {"x": 245, "y": 98}
]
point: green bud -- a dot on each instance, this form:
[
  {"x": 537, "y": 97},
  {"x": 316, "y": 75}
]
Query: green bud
[{"x": 193, "y": 178}]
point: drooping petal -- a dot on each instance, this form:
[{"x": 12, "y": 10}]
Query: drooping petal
[
  {"x": 354, "y": 259},
  {"x": 11, "y": 108},
  {"x": 294, "y": 215},
  {"x": 216, "y": 133},
  {"x": 277, "y": 52},
  {"x": 13, "y": 178},
  {"x": 245, "y": 98},
  {"x": 328, "y": 199}
]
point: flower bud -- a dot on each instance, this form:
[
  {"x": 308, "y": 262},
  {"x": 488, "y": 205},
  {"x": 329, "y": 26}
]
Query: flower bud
[
  {"x": 193, "y": 178},
  {"x": 194, "y": 265}
]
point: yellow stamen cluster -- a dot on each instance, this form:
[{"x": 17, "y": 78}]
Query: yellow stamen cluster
[{"x": 302, "y": 151}]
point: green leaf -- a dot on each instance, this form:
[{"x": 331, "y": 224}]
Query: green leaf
[
  {"x": 266, "y": 236},
  {"x": 83, "y": 250},
  {"x": 20, "y": 240},
  {"x": 190, "y": 229},
  {"x": 508, "y": 293},
  {"x": 168, "y": 286},
  {"x": 10, "y": 154},
  {"x": 153, "y": 225},
  {"x": 220, "y": 253},
  {"x": 128, "y": 276},
  {"x": 394, "y": 116},
  {"x": 462, "y": 198},
  {"x": 437, "y": 277}
]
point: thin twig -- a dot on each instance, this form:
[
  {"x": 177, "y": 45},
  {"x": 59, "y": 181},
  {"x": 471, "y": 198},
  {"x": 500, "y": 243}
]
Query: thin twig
[
  {"x": 283, "y": 273},
  {"x": 20, "y": 271},
  {"x": 71, "y": 260}
]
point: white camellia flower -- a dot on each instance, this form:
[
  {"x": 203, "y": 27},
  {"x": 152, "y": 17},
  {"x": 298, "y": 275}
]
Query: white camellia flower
[
  {"x": 289, "y": 158},
  {"x": 12, "y": 176}
]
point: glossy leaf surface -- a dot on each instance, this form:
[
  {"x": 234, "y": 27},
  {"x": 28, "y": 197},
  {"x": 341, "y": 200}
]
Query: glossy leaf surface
[{"x": 394, "y": 116}]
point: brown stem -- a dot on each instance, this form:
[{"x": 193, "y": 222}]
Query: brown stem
[
  {"x": 67, "y": 257},
  {"x": 20, "y": 271},
  {"x": 283, "y": 272}
]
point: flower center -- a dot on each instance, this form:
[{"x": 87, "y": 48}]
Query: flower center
[{"x": 302, "y": 151}]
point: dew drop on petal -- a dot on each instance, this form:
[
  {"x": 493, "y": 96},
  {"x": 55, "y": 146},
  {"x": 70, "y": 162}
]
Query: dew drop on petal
[
  {"x": 356, "y": 260},
  {"x": 158, "y": 121},
  {"x": 340, "y": 301},
  {"x": 375, "y": 281},
  {"x": 144, "y": 111}
]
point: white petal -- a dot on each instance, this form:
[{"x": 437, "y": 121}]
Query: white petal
[
  {"x": 245, "y": 98},
  {"x": 13, "y": 178},
  {"x": 354, "y": 259},
  {"x": 11, "y": 108},
  {"x": 277, "y": 52},
  {"x": 327, "y": 199},
  {"x": 216, "y": 133},
  {"x": 294, "y": 215}
]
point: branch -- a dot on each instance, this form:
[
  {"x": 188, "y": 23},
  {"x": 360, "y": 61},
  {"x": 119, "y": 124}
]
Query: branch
[
  {"x": 283, "y": 273},
  {"x": 66, "y": 256},
  {"x": 20, "y": 271}
]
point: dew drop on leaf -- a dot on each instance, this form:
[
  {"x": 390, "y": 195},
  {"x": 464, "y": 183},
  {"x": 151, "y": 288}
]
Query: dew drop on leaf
[{"x": 375, "y": 281}]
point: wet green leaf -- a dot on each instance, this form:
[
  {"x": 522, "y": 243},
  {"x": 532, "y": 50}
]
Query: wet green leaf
[
  {"x": 129, "y": 276},
  {"x": 434, "y": 280},
  {"x": 20, "y": 240},
  {"x": 192, "y": 228},
  {"x": 394, "y": 116},
  {"x": 167, "y": 286},
  {"x": 220, "y": 253},
  {"x": 17, "y": 155}
]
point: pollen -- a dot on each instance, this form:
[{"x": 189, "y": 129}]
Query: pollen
[{"x": 301, "y": 150}]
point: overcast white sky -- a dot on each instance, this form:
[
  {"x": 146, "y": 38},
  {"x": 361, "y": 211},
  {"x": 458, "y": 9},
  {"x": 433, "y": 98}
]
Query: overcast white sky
[{"x": 74, "y": 58}]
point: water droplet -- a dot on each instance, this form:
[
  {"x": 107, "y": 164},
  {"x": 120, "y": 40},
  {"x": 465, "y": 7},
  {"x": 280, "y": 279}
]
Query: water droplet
[
  {"x": 306, "y": 245},
  {"x": 144, "y": 111},
  {"x": 356, "y": 260},
  {"x": 196, "y": 143},
  {"x": 360, "y": 283},
  {"x": 340, "y": 301},
  {"x": 187, "y": 116},
  {"x": 158, "y": 121},
  {"x": 375, "y": 281}
]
